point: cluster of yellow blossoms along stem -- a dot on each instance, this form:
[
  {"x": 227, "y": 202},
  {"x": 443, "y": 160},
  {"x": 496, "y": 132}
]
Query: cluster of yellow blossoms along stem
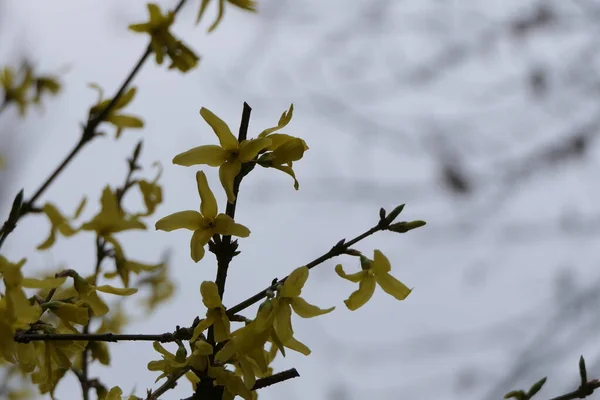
[{"x": 45, "y": 329}]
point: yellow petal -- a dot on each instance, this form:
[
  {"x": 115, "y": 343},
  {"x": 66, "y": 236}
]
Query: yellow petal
[
  {"x": 250, "y": 148},
  {"x": 126, "y": 98},
  {"x": 288, "y": 170},
  {"x": 285, "y": 118},
  {"x": 199, "y": 239},
  {"x": 224, "y": 225},
  {"x": 381, "y": 264},
  {"x": 201, "y": 327},
  {"x": 209, "y": 154},
  {"x": 283, "y": 321},
  {"x": 356, "y": 277},
  {"x": 363, "y": 294},
  {"x": 290, "y": 151},
  {"x": 306, "y": 310},
  {"x": 203, "y": 348},
  {"x": 114, "y": 394},
  {"x": 190, "y": 220},
  {"x": 294, "y": 344},
  {"x": 116, "y": 291},
  {"x": 125, "y": 121},
  {"x": 392, "y": 286},
  {"x": 292, "y": 287},
  {"x": 226, "y": 138},
  {"x": 221, "y": 325},
  {"x": 210, "y": 294},
  {"x": 208, "y": 203},
  {"x": 227, "y": 174},
  {"x": 47, "y": 283}
]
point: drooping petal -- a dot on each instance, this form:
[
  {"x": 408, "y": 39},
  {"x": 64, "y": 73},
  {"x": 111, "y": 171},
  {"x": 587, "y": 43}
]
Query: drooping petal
[
  {"x": 210, "y": 154},
  {"x": 208, "y": 203},
  {"x": 227, "y": 174},
  {"x": 306, "y": 310},
  {"x": 288, "y": 170},
  {"x": 190, "y": 220},
  {"x": 294, "y": 344},
  {"x": 283, "y": 321},
  {"x": 381, "y": 264},
  {"x": 199, "y": 239},
  {"x": 392, "y": 286},
  {"x": 225, "y": 225},
  {"x": 292, "y": 287},
  {"x": 356, "y": 277},
  {"x": 226, "y": 138},
  {"x": 250, "y": 148},
  {"x": 364, "y": 293}
]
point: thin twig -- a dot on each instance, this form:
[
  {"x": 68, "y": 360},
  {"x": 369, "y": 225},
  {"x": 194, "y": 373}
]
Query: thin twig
[
  {"x": 336, "y": 250},
  {"x": 581, "y": 392},
  {"x": 23, "y": 337}
]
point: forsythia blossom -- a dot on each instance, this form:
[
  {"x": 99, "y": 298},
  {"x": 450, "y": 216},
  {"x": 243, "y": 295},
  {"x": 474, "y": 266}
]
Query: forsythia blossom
[
  {"x": 120, "y": 121},
  {"x": 284, "y": 149},
  {"x": 373, "y": 272},
  {"x": 205, "y": 223},
  {"x": 162, "y": 41},
  {"x": 229, "y": 156}
]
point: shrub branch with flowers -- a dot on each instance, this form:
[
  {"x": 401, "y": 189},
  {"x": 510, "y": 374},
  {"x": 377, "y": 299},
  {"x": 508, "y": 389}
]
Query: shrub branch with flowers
[{"x": 46, "y": 328}]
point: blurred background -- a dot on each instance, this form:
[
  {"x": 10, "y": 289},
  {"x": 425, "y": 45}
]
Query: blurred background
[{"x": 481, "y": 116}]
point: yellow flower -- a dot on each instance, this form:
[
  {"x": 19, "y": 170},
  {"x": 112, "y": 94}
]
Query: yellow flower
[
  {"x": 68, "y": 313},
  {"x": 170, "y": 363},
  {"x": 229, "y": 156},
  {"x": 215, "y": 315},
  {"x": 199, "y": 358},
  {"x": 289, "y": 298},
  {"x": 249, "y": 5},
  {"x": 14, "y": 92},
  {"x": 162, "y": 41},
  {"x": 111, "y": 218},
  {"x": 284, "y": 149},
  {"x": 87, "y": 293},
  {"x": 373, "y": 272},
  {"x": 205, "y": 223},
  {"x": 233, "y": 384},
  {"x": 120, "y": 121},
  {"x": 45, "y": 84},
  {"x": 161, "y": 288},
  {"x": 59, "y": 223}
]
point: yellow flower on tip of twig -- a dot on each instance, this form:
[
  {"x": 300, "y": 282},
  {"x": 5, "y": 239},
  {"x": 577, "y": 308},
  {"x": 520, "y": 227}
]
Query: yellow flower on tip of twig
[
  {"x": 205, "y": 224},
  {"x": 120, "y": 121},
  {"x": 284, "y": 149},
  {"x": 228, "y": 156},
  {"x": 373, "y": 272},
  {"x": 162, "y": 41}
]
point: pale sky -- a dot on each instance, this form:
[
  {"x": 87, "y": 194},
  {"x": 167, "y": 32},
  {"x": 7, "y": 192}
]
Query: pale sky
[{"x": 480, "y": 296}]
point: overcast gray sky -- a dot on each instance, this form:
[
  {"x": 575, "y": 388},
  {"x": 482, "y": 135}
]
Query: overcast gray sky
[{"x": 485, "y": 267}]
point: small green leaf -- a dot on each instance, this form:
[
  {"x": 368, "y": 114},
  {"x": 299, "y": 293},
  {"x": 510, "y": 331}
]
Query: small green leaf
[{"x": 536, "y": 387}]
